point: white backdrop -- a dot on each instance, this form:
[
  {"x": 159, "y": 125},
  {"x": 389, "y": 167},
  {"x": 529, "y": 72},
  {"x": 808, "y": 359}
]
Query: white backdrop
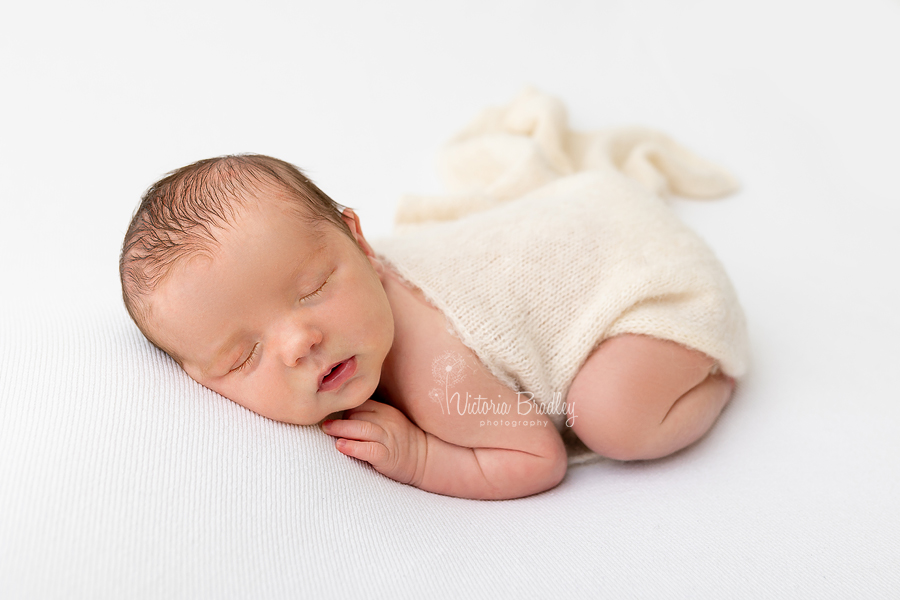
[
  {"x": 798, "y": 97},
  {"x": 101, "y": 98}
]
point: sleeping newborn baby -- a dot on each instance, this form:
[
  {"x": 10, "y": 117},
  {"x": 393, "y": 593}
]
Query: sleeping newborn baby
[{"x": 452, "y": 355}]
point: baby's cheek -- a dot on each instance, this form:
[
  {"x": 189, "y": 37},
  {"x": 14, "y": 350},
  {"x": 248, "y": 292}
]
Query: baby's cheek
[{"x": 252, "y": 395}]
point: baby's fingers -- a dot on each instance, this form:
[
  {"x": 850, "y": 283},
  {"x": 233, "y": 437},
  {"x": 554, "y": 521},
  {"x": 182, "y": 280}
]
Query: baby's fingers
[
  {"x": 360, "y": 439},
  {"x": 373, "y": 453},
  {"x": 354, "y": 429}
]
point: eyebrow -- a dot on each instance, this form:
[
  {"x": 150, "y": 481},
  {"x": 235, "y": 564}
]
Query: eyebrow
[{"x": 309, "y": 257}]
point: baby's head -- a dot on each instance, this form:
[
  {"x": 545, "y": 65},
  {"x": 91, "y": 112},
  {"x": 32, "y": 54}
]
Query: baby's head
[{"x": 259, "y": 286}]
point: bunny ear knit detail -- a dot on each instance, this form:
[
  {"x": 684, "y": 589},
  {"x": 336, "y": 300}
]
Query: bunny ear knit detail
[{"x": 551, "y": 241}]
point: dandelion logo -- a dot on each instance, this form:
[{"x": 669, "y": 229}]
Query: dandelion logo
[{"x": 448, "y": 369}]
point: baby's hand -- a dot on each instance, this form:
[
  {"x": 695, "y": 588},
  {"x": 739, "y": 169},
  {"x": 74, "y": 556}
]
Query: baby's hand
[{"x": 382, "y": 436}]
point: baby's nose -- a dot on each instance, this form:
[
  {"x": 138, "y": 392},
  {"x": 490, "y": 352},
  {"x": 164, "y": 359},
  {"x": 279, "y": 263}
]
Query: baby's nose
[{"x": 299, "y": 341}]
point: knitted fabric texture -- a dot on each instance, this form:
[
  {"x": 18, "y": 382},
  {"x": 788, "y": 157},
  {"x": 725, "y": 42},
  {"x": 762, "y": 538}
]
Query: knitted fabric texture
[{"x": 552, "y": 241}]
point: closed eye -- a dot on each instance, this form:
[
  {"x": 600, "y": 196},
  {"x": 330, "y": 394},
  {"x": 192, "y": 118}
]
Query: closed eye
[
  {"x": 318, "y": 291},
  {"x": 247, "y": 362}
]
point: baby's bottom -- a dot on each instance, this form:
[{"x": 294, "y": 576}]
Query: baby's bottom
[{"x": 638, "y": 397}]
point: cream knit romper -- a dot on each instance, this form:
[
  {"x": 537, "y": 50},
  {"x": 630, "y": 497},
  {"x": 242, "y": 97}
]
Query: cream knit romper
[{"x": 533, "y": 275}]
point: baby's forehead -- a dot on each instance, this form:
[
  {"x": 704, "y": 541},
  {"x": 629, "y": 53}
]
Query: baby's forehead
[
  {"x": 261, "y": 214},
  {"x": 289, "y": 232}
]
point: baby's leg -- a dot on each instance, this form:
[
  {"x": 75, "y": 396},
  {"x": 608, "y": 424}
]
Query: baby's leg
[{"x": 638, "y": 397}]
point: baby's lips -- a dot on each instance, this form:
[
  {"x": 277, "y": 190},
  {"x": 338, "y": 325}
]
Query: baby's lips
[{"x": 326, "y": 372}]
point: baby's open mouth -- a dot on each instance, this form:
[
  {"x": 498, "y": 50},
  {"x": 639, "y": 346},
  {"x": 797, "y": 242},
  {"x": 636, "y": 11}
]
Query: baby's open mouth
[{"x": 338, "y": 374}]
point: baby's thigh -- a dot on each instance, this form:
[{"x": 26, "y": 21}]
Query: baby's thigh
[{"x": 641, "y": 397}]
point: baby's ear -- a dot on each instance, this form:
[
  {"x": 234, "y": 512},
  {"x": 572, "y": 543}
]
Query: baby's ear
[{"x": 352, "y": 221}]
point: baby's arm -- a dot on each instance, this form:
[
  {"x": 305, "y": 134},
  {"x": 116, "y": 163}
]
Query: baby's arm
[
  {"x": 508, "y": 462},
  {"x": 423, "y": 440}
]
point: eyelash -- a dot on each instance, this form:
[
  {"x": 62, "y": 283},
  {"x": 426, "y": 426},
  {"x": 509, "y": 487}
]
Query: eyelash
[
  {"x": 247, "y": 362},
  {"x": 317, "y": 292}
]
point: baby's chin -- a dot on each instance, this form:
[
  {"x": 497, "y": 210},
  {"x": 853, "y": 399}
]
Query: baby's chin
[
  {"x": 335, "y": 415},
  {"x": 339, "y": 414}
]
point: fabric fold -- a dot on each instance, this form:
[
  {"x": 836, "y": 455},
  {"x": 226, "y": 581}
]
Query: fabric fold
[{"x": 510, "y": 151}]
